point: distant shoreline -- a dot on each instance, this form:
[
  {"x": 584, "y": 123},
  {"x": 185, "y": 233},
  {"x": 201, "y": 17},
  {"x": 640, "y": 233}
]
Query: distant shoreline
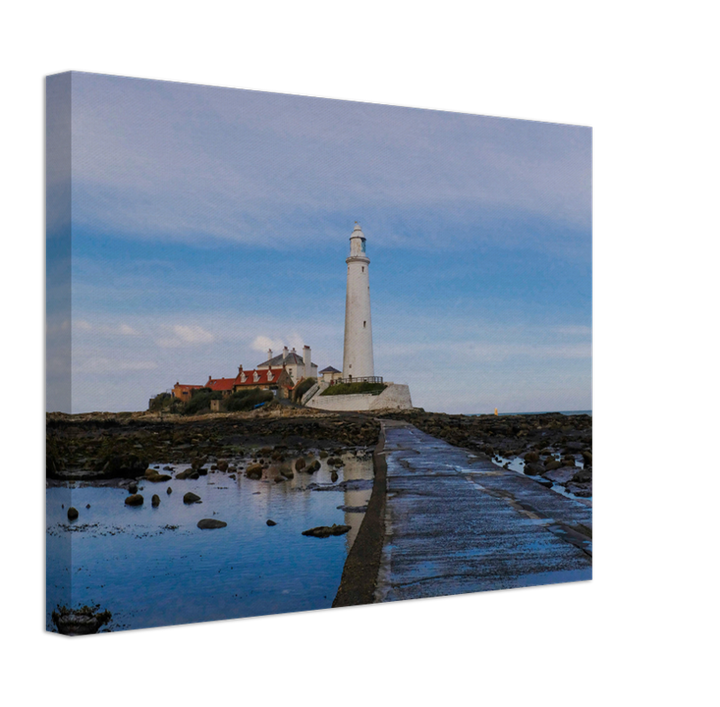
[{"x": 548, "y": 412}]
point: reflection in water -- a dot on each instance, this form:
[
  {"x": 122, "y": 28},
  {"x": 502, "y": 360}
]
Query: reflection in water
[{"x": 153, "y": 566}]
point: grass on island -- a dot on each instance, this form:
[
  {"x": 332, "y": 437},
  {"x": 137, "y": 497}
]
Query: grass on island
[{"x": 354, "y": 388}]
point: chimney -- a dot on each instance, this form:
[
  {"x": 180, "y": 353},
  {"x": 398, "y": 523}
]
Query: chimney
[
  {"x": 285, "y": 352},
  {"x": 239, "y": 370},
  {"x": 269, "y": 355},
  {"x": 307, "y": 360}
]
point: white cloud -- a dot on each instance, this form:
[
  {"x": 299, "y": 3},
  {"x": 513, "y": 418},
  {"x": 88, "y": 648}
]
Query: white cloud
[
  {"x": 127, "y": 330},
  {"x": 184, "y": 335},
  {"x": 263, "y": 343}
]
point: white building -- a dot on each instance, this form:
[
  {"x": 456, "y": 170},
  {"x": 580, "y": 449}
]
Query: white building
[
  {"x": 358, "y": 350},
  {"x": 297, "y": 366},
  {"x": 330, "y": 375}
]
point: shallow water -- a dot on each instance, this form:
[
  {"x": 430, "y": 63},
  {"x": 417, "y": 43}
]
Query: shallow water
[
  {"x": 155, "y": 567},
  {"x": 517, "y": 464}
]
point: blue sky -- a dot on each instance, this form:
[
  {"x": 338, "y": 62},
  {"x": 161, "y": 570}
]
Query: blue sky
[{"x": 208, "y": 224}]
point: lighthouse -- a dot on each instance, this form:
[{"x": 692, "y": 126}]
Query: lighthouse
[{"x": 358, "y": 353}]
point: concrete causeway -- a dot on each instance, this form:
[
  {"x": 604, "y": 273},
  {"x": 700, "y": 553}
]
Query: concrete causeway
[{"x": 457, "y": 523}]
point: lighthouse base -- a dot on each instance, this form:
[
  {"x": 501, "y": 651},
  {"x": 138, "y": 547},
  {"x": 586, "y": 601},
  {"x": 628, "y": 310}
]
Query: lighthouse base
[{"x": 395, "y": 397}]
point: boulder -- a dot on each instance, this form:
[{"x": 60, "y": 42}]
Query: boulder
[
  {"x": 134, "y": 499},
  {"x": 532, "y": 457},
  {"x": 552, "y": 464},
  {"x": 190, "y": 497},
  {"x": 583, "y": 476},
  {"x": 560, "y": 475},
  {"x": 211, "y": 523},
  {"x": 534, "y": 469},
  {"x": 325, "y": 531},
  {"x": 79, "y": 622},
  {"x": 72, "y": 513},
  {"x": 254, "y": 471},
  {"x": 155, "y": 500},
  {"x": 132, "y": 488},
  {"x": 169, "y": 490},
  {"x": 222, "y": 465},
  {"x": 300, "y": 464},
  {"x": 581, "y": 490},
  {"x": 270, "y": 522},
  {"x": 157, "y": 478},
  {"x": 188, "y": 474}
]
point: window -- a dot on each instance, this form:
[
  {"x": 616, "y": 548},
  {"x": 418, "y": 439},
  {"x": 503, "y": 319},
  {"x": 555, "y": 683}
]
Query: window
[
  {"x": 364, "y": 325},
  {"x": 363, "y": 268}
]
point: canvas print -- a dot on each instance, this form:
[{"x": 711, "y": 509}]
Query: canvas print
[{"x": 306, "y": 353}]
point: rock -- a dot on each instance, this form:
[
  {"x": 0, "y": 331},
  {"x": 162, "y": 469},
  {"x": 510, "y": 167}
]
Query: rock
[
  {"x": 575, "y": 446},
  {"x": 190, "y": 497},
  {"x": 532, "y": 457},
  {"x": 80, "y": 622},
  {"x": 72, "y": 513},
  {"x": 254, "y": 471},
  {"x": 88, "y": 506},
  {"x": 134, "y": 499},
  {"x": 315, "y": 466},
  {"x": 187, "y": 474},
  {"x": 202, "y": 471},
  {"x": 560, "y": 475},
  {"x": 151, "y": 472},
  {"x": 211, "y": 523},
  {"x": 270, "y": 522},
  {"x": 222, "y": 465},
  {"x": 587, "y": 458},
  {"x": 583, "y": 476},
  {"x": 323, "y": 454},
  {"x": 169, "y": 490},
  {"x": 300, "y": 464},
  {"x": 155, "y": 500},
  {"x": 581, "y": 490},
  {"x": 534, "y": 469},
  {"x": 325, "y": 531},
  {"x": 287, "y": 473},
  {"x": 132, "y": 488},
  {"x": 552, "y": 464},
  {"x": 334, "y": 476},
  {"x": 157, "y": 478}
]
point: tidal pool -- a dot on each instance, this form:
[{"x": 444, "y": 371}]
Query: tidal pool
[{"x": 154, "y": 567}]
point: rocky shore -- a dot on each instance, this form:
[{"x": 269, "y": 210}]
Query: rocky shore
[
  {"x": 107, "y": 446},
  {"x": 556, "y": 449},
  {"x": 119, "y": 448}
]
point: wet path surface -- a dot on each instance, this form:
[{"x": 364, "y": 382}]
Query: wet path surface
[{"x": 456, "y": 523}]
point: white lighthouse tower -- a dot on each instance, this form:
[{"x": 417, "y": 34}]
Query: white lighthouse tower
[{"x": 358, "y": 353}]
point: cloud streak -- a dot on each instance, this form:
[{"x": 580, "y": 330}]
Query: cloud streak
[{"x": 163, "y": 160}]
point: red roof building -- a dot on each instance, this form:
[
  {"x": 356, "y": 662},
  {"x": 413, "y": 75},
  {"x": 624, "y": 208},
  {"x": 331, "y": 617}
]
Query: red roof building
[{"x": 266, "y": 378}]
